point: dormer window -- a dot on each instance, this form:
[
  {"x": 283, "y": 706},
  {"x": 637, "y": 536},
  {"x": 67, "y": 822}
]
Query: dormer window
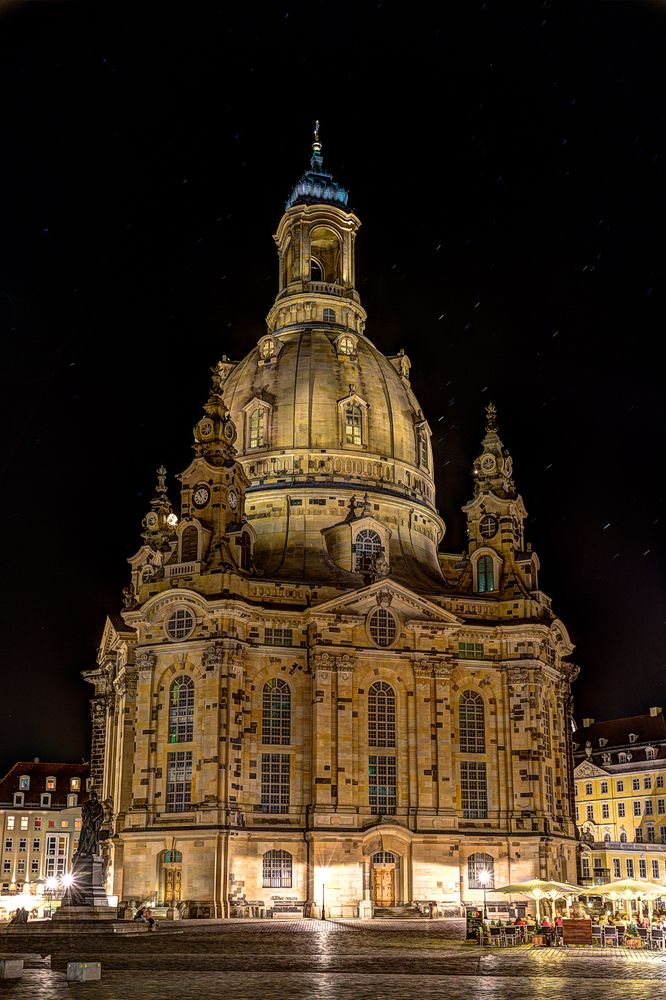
[
  {"x": 75, "y": 784},
  {"x": 24, "y": 782},
  {"x": 267, "y": 349},
  {"x": 45, "y": 800},
  {"x": 18, "y": 798},
  {"x": 257, "y": 424},
  {"x": 606, "y": 759},
  {"x": 50, "y": 784},
  {"x": 633, "y": 737},
  {"x": 622, "y": 758},
  {"x": 367, "y": 548},
  {"x": 603, "y": 742},
  {"x": 650, "y": 753},
  {"x": 72, "y": 800},
  {"x": 353, "y": 425},
  {"x": 346, "y": 344},
  {"x": 485, "y": 575}
]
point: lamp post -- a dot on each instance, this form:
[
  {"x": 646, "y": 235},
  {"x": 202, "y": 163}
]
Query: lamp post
[
  {"x": 323, "y": 901},
  {"x": 484, "y": 879}
]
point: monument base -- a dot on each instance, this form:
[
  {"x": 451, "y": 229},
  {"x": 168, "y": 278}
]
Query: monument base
[
  {"x": 87, "y": 888},
  {"x": 85, "y": 914}
]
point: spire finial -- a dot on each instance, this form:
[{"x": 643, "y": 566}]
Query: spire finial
[
  {"x": 161, "y": 480},
  {"x": 491, "y": 417},
  {"x": 316, "y": 145}
]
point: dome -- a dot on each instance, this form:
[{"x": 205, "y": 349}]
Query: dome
[{"x": 304, "y": 390}]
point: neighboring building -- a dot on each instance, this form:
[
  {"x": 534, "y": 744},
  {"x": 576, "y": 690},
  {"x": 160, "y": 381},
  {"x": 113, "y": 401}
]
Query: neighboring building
[
  {"x": 40, "y": 816},
  {"x": 621, "y": 798},
  {"x": 302, "y": 691}
]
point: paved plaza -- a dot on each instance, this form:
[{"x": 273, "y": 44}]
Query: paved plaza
[{"x": 322, "y": 960}]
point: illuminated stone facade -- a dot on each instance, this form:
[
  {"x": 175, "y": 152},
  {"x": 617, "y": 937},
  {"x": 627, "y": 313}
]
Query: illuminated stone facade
[
  {"x": 304, "y": 697},
  {"x": 621, "y": 798}
]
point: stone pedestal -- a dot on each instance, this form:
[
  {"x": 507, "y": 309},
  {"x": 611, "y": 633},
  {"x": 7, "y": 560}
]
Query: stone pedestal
[
  {"x": 87, "y": 889},
  {"x": 85, "y": 914},
  {"x": 366, "y": 909}
]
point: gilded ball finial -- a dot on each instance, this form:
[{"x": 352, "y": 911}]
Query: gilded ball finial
[{"x": 316, "y": 145}]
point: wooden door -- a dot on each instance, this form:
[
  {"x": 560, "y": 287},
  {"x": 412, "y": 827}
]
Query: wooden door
[
  {"x": 384, "y": 885},
  {"x": 172, "y": 884}
]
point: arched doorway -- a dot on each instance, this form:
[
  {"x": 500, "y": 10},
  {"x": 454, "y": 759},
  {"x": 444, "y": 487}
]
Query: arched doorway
[
  {"x": 384, "y": 878},
  {"x": 171, "y": 877}
]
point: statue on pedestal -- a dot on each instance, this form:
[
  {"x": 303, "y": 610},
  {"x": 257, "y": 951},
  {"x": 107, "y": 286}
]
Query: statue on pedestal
[{"x": 87, "y": 888}]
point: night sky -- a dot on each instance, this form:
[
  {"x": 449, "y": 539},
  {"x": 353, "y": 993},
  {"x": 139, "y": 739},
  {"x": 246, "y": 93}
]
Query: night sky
[{"x": 510, "y": 173}]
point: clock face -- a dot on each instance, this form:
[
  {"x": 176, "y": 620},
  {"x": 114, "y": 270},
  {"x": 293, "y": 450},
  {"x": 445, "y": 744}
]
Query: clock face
[
  {"x": 488, "y": 526},
  {"x": 206, "y": 428},
  {"x": 232, "y": 497},
  {"x": 151, "y": 519},
  {"x": 200, "y": 495},
  {"x": 488, "y": 463}
]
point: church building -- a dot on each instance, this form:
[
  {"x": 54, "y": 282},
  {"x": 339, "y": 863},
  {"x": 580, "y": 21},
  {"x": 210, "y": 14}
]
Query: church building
[{"x": 305, "y": 701}]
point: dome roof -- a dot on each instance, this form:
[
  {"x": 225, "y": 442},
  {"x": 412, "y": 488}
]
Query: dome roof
[
  {"x": 305, "y": 388},
  {"x": 316, "y": 186}
]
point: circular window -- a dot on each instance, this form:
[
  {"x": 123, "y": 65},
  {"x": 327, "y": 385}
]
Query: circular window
[
  {"x": 489, "y": 525},
  {"x": 180, "y": 624},
  {"x": 346, "y": 346},
  {"x": 383, "y": 627},
  {"x": 267, "y": 349}
]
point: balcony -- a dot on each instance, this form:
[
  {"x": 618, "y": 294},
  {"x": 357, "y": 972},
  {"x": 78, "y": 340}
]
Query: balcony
[
  {"x": 599, "y": 876},
  {"x": 182, "y": 569},
  {"x": 627, "y": 845}
]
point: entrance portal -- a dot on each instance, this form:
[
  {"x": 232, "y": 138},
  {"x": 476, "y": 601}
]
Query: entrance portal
[
  {"x": 385, "y": 866},
  {"x": 172, "y": 877}
]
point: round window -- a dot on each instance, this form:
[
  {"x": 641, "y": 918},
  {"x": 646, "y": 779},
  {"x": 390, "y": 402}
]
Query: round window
[
  {"x": 346, "y": 346},
  {"x": 383, "y": 627},
  {"x": 267, "y": 349},
  {"x": 489, "y": 525},
  {"x": 180, "y": 624}
]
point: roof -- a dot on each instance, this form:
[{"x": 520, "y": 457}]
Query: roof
[
  {"x": 39, "y": 771},
  {"x": 646, "y": 728}
]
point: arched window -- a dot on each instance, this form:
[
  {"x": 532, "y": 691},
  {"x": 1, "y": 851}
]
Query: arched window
[
  {"x": 245, "y": 545},
  {"x": 477, "y": 863},
  {"x": 316, "y": 273},
  {"x": 423, "y": 450},
  {"x": 650, "y": 753},
  {"x": 189, "y": 544},
  {"x": 623, "y": 837},
  {"x": 485, "y": 575},
  {"x": 277, "y": 869},
  {"x": 276, "y": 719},
  {"x": 381, "y": 715},
  {"x": 181, "y": 710},
  {"x": 258, "y": 427},
  {"x": 367, "y": 546},
  {"x": 172, "y": 858},
  {"x": 472, "y": 723},
  {"x": 353, "y": 424},
  {"x": 546, "y": 731},
  {"x": 607, "y": 838}
]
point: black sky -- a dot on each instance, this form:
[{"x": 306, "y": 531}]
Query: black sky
[{"x": 509, "y": 169}]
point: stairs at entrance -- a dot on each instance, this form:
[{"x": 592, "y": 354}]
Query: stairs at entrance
[{"x": 398, "y": 913}]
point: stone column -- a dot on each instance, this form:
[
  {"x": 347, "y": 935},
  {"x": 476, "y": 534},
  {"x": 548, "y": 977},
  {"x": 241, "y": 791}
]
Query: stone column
[
  {"x": 323, "y": 665},
  {"x": 98, "y": 711},
  {"x": 343, "y": 778}
]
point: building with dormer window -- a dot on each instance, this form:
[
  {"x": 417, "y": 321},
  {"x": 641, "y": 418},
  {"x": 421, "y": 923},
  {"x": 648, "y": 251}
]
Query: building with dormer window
[{"x": 304, "y": 689}]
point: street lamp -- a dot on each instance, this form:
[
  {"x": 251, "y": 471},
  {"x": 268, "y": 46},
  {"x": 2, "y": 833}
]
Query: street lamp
[
  {"x": 484, "y": 879},
  {"x": 323, "y": 901}
]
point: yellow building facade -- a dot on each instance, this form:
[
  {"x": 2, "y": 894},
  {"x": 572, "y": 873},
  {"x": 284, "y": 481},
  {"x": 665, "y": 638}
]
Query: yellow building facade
[
  {"x": 621, "y": 798},
  {"x": 305, "y": 702}
]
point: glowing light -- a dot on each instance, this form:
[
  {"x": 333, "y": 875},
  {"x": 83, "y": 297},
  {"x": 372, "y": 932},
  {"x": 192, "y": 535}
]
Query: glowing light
[
  {"x": 67, "y": 880},
  {"x": 484, "y": 876},
  {"x": 172, "y": 520},
  {"x": 51, "y": 883}
]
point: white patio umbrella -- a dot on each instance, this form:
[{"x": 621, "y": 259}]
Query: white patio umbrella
[
  {"x": 628, "y": 890},
  {"x": 537, "y": 889}
]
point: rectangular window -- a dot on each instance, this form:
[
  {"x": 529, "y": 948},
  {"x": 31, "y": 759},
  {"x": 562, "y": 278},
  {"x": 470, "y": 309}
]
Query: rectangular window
[
  {"x": 470, "y": 650},
  {"x": 24, "y": 822},
  {"x": 637, "y": 808},
  {"x": 9, "y": 843},
  {"x": 661, "y": 805},
  {"x": 38, "y": 823},
  {"x": 353, "y": 425},
  {"x": 75, "y": 784},
  {"x": 660, "y": 781},
  {"x": 382, "y": 782},
  {"x": 590, "y": 812},
  {"x": 588, "y": 788},
  {"x": 6, "y": 866},
  {"x": 642, "y": 868},
  {"x": 474, "y": 791},
  {"x": 638, "y": 835},
  {"x": 647, "y": 782},
  {"x": 662, "y": 834},
  {"x": 549, "y": 791},
  {"x": 605, "y": 810},
  {"x": 621, "y": 810},
  {"x": 650, "y": 835},
  {"x": 34, "y": 866},
  {"x": 24, "y": 782},
  {"x": 630, "y": 868},
  {"x": 635, "y": 783},
  {"x": 20, "y": 868},
  {"x": 617, "y": 870},
  {"x": 278, "y": 637},
  {"x": 179, "y": 781},
  {"x": 275, "y": 782},
  {"x": 655, "y": 870},
  {"x": 35, "y": 844},
  {"x": 648, "y": 811},
  {"x": 10, "y": 822},
  {"x": 604, "y": 788},
  {"x": 23, "y": 844},
  {"x": 50, "y": 784},
  {"x": 585, "y": 866},
  {"x": 18, "y": 798},
  {"x": 45, "y": 800},
  {"x": 620, "y": 786},
  {"x": 56, "y": 855}
]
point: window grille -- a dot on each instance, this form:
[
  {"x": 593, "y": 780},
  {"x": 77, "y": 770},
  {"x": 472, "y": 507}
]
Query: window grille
[
  {"x": 605, "y": 810},
  {"x": 637, "y": 808},
  {"x": 590, "y": 813},
  {"x": 181, "y": 710},
  {"x": 278, "y": 636},
  {"x": 329, "y": 317},
  {"x": 617, "y": 870},
  {"x": 642, "y": 868},
  {"x": 477, "y": 863},
  {"x": 473, "y": 788},
  {"x": 588, "y": 788},
  {"x": 647, "y": 782},
  {"x": 258, "y": 427},
  {"x": 382, "y": 782},
  {"x": 604, "y": 788},
  {"x": 276, "y": 718},
  {"x": 655, "y": 870},
  {"x": 635, "y": 783},
  {"x": 180, "y": 624},
  {"x": 381, "y": 715},
  {"x": 275, "y": 783},
  {"x": 277, "y": 870},
  {"x": 472, "y": 723},
  {"x": 648, "y": 811},
  {"x": 620, "y": 786},
  {"x": 179, "y": 781},
  {"x": 383, "y": 627},
  {"x": 367, "y": 546},
  {"x": 470, "y": 650},
  {"x": 353, "y": 425}
]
